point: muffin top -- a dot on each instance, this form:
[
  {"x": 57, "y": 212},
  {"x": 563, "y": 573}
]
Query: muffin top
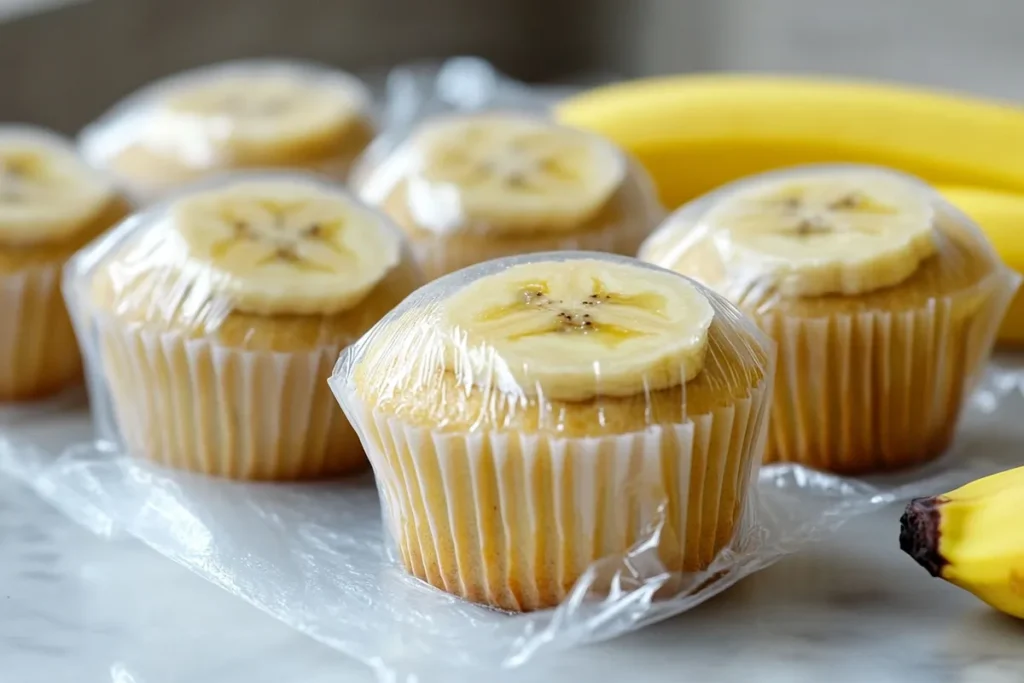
[
  {"x": 820, "y": 240},
  {"x": 279, "y": 262},
  {"x": 237, "y": 114},
  {"x": 569, "y": 343},
  {"x": 504, "y": 176},
  {"x": 51, "y": 202}
]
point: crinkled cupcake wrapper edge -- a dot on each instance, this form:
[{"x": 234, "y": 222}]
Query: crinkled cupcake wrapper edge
[{"x": 190, "y": 404}]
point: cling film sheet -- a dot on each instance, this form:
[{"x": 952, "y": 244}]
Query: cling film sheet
[
  {"x": 249, "y": 114},
  {"x": 540, "y": 451},
  {"x": 516, "y": 517}
]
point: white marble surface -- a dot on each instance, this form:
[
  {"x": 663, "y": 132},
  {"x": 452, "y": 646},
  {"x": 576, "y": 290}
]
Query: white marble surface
[{"x": 853, "y": 608}]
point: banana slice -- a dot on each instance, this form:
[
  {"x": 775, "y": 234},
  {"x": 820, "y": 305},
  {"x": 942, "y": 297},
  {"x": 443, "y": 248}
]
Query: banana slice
[
  {"x": 285, "y": 246},
  {"x": 573, "y": 330},
  {"x": 253, "y": 115},
  {"x": 510, "y": 174},
  {"x": 845, "y": 231},
  {"x": 46, "y": 192}
]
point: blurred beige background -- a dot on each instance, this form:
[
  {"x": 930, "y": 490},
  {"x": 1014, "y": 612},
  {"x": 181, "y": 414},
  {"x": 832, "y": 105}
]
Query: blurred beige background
[{"x": 63, "y": 61}]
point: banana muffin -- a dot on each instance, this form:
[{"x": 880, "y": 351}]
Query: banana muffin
[
  {"x": 219, "y": 315},
  {"x": 236, "y": 115},
  {"x": 476, "y": 187},
  {"x": 528, "y": 417},
  {"x": 884, "y": 301}
]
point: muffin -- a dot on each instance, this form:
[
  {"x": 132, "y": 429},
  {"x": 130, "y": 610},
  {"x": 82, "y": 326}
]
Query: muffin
[
  {"x": 529, "y": 416},
  {"x": 216, "y": 318},
  {"x": 476, "y": 187},
  {"x": 51, "y": 204},
  {"x": 882, "y": 298},
  {"x": 237, "y": 115}
]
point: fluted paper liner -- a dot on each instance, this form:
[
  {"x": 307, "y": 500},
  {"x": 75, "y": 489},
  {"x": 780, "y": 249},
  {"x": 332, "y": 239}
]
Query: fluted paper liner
[
  {"x": 38, "y": 352},
  {"x": 513, "y": 520},
  {"x": 879, "y": 390},
  {"x": 191, "y": 404}
]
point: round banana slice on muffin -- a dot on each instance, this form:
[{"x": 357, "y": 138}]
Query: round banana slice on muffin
[
  {"x": 474, "y": 187},
  {"x": 237, "y": 115},
  {"x": 548, "y": 411},
  {"x": 286, "y": 247},
  {"x": 550, "y": 323},
  {"x": 51, "y": 203},
  {"x": 220, "y": 313},
  {"x": 882, "y": 297},
  {"x": 834, "y": 234}
]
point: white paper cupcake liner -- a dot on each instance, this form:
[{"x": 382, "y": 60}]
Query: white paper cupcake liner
[
  {"x": 38, "y": 352},
  {"x": 514, "y": 520},
  {"x": 878, "y": 391},
  {"x": 193, "y": 405}
]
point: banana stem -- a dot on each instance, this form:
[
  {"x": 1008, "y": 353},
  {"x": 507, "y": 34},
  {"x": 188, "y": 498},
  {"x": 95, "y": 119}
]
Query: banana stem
[{"x": 919, "y": 533}]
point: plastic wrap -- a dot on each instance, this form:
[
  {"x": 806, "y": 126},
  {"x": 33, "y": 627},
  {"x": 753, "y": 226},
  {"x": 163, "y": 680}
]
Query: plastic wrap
[
  {"x": 622, "y": 476},
  {"x": 473, "y": 178},
  {"x": 51, "y": 204},
  {"x": 883, "y": 298},
  {"x": 211, "y": 322},
  {"x": 318, "y": 557},
  {"x": 660, "y": 531},
  {"x": 256, "y": 114}
]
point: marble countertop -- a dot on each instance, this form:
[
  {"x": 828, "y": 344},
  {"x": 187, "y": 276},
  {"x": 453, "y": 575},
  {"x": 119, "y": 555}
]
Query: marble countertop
[{"x": 74, "y": 607}]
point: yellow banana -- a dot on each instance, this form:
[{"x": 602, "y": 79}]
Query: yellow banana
[
  {"x": 973, "y": 537},
  {"x": 694, "y": 133},
  {"x": 1001, "y": 216}
]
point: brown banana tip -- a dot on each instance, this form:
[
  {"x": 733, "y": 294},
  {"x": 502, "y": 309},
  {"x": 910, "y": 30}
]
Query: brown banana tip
[{"x": 919, "y": 533}]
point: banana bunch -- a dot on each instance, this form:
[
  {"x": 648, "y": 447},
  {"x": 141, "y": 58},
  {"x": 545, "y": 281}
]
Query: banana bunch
[
  {"x": 973, "y": 537},
  {"x": 695, "y": 133}
]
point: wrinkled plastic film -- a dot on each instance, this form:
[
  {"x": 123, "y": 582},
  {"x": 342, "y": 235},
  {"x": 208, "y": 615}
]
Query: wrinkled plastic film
[
  {"x": 608, "y": 513},
  {"x": 473, "y": 170},
  {"x": 315, "y": 556},
  {"x": 251, "y": 114}
]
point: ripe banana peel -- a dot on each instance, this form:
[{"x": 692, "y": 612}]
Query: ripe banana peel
[
  {"x": 694, "y": 133},
  {"x": 973, "y": 537}
]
